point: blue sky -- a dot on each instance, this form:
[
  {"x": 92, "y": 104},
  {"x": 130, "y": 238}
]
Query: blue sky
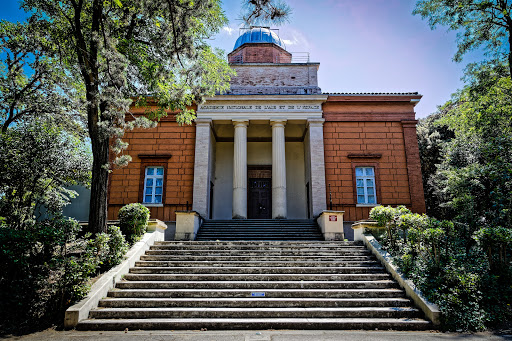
[{"x": 362, "y": 46}]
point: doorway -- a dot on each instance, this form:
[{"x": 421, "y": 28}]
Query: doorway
[{"x": 259, "y": 203}]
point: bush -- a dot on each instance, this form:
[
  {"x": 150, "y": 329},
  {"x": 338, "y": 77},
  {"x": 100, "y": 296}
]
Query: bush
[
  {"x": 133, "y": 221},
  {"x": 117, "y": 247},
  {"x": 44, "y": 269},
  {"x": 470, "y": 282}
]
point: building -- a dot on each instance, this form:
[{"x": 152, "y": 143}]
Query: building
[{"x": 276, "y": 147}]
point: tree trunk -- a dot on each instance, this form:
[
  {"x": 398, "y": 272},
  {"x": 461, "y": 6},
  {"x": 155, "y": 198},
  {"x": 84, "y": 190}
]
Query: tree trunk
[{"x": 99, "y": 185}]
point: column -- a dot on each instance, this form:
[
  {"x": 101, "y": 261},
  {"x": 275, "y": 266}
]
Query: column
[
  {"x": 278, "y": 169},
  {"x": 240, "y": 169},
  {"x": 317, "y": 165},
  {"x": 202, "y": 159}
]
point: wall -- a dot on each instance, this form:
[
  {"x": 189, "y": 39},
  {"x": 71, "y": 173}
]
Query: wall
[
  {"x": 295, "y": 180},
  {"x": 365, "y": 138},
  {"x": 176, "y": 143},
  {"x": 372, "y": 130},
  {"x": 259, "y": 153},
  {"x": 223, "y": 183}
]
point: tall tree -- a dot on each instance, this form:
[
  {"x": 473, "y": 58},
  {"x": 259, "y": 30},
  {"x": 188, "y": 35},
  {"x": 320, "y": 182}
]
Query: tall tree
[
  {"x": 125, "y": 49},
  {"x": 265, "y": 12},
  {"x": 32, "y": 83},
  {"x": 481, "y": 23}
]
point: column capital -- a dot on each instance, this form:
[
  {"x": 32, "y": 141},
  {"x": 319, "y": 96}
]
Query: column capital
[
  {"x": 203, "y": 121},
  {"x": 278, "y": 122},
  {"x": 315, "y": 122},
  {"x": 240, "y": 122}
]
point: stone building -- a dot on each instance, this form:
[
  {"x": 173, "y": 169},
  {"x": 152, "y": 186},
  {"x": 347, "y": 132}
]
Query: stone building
[{"x": 275, "y": 146}]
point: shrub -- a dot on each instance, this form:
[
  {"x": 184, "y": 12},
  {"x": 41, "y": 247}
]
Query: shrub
[
  {"x": 117, "y": 247},
  {"x": 44, "y": 269},
  {"x": 133, "y": 221}
]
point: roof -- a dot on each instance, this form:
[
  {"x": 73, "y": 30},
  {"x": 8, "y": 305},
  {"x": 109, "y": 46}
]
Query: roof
[
  {"x": 372, "y": 93},
  {"x": 259, "y": 35}
]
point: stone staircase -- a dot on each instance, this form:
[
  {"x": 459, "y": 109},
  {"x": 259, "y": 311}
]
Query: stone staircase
[
  {"x": 259, "y": 229},
  {"x": 256, "y": 285}
]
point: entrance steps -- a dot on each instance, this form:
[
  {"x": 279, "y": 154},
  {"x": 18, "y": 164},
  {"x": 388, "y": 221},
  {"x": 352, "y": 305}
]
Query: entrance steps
[
  {"x": 256, "y": 285},
  {"x": 259, "y": 229}
]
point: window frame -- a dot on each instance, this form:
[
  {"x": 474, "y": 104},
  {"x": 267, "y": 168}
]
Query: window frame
[
  {"x": 375, "y": 167},
  {"x": 155, "y": 177},
  {"x": 152, "y": 161}
]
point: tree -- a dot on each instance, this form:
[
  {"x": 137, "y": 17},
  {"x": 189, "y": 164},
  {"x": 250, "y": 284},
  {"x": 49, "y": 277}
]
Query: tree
[
  {"x": 432, "y": 138},
  {"x": 32, "y": 83},
  {"x": 486, "y": 23},
  {"x": 265, "y": 11},
  {"x": 38, "y": 160},
  {"x": 124, "y": 51},
  {"x": 472, "y": 178}
]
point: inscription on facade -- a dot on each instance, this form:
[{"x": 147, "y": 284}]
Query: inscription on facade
[{"x": 258, "y": 107}]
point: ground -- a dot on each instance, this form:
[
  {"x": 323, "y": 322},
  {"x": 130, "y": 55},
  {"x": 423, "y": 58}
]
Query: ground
[{"x": 266, "y": 335}]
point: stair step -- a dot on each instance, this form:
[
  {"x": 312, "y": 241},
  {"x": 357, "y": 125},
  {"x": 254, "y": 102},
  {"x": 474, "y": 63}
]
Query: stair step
[
  {"x": 255, "y": 270},
  {"x": 266, "y": 244},
  {"x": 323, "y": 312},
  {"x": 257, "y": 277},
  {"x": 246, "y": 293},
  {"x": 152, "y": 263},
  {"x": 256, "y": 324},
  {"x": 186, "y": 258},
  {"x": 253, "y": 302},
  {"x": 257, "y": 285}
]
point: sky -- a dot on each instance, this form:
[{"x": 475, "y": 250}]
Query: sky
[{"x": 361, "y": 45}]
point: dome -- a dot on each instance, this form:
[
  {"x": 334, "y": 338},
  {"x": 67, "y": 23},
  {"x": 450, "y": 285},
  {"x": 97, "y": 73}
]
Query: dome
[{"x": 259, "y": 35}]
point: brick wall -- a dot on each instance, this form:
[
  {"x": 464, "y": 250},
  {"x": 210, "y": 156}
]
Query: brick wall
[
  {"x": 377, "y": 131},
  {"x": 167, "y": 145},
  {"x": 260, "y": 53}
]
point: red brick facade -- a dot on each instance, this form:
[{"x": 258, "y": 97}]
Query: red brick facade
[
  {"x": 168, "y": 145},
  {"x": 377, "y": 131},
  {"x": 260, "y": 53}
]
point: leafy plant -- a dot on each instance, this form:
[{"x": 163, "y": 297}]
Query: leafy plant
[
  {"x": 133, "y": 221},
  {"x": 117, "y": 247}
]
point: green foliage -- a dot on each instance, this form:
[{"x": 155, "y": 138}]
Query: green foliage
[
  {"x": 471, "y": 284},
  {"x": 263, "y": 12},
  {"x": 133, "y": 221},
  {"x": 38, "y": 160},
  {"x": 32, "y": 83},
  {"x": 47, "y": 267},
  {"x": 479, "y": 23},
  {"x": 388, "y": 217},
  {"x": 44, "y": 268},
  {"x": 495, "y": 241},
  {"x": 117, "y": 247}
]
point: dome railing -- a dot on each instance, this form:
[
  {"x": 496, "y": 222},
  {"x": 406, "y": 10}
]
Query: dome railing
[{"x": 297, "y": 57}]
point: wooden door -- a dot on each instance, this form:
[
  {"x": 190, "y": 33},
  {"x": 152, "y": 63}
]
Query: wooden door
[{"x": 260, "y": 198}]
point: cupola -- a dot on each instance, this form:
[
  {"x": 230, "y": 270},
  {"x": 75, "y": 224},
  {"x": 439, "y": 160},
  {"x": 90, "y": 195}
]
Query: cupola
[{"x": 259, "y": 45}]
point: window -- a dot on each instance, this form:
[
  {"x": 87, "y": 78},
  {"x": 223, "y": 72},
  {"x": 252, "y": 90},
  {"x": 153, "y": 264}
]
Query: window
[
  {"x": 153, "y": 185},
  {"x": 365, "y": 185}
]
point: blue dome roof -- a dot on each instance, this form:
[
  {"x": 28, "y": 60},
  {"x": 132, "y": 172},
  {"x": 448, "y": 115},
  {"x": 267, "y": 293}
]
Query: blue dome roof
[{"x": 258, "y": 35}]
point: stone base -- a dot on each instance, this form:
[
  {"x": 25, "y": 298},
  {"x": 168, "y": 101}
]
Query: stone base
[
  {"x": 187, "y": 225},
  {"x": 331, "y": 224}
]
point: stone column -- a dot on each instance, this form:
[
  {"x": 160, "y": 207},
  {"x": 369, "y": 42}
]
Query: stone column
[
  {"x": 317, "y": 165},
  {"x": 278, "y": 169},
  {"x": 240, "y": 169},
  {"x": 202, "y": 159}
]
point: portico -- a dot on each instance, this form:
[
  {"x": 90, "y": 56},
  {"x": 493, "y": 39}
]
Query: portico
[{"x": 265, "y": 144}]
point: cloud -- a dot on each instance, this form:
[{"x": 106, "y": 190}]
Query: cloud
[
  {"x": 290, "y": 42},
  {"x": 294, "y": 38},
  {"x": 228, "y": 30}
]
